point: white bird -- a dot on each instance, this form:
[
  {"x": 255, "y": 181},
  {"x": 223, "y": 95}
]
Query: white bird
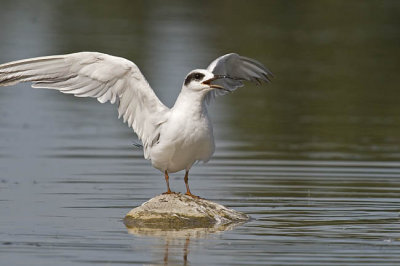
[{"x": 173, "y": 138}]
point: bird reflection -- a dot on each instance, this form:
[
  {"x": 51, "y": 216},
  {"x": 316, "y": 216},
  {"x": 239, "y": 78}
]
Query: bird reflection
[
  {"x": 176, "y": 243},
  {"x": 185, "y": 252}
]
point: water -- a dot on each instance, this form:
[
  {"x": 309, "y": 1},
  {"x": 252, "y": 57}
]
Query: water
[{"x": 313, "y": 158}]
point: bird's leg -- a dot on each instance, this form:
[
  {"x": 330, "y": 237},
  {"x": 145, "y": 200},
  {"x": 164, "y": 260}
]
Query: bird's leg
[
  {"x": 167, "y": 181},
  {"x": 187, "y": 186}
]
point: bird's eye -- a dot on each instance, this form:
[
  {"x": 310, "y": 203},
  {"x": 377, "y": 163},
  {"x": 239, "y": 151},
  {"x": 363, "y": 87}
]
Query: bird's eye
[
  {"x": 198, "y": 76},
  {"x": 194, "y": 76}
]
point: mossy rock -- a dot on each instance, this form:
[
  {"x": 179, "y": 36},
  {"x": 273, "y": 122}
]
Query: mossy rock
[{"x": 178, "y": 211}]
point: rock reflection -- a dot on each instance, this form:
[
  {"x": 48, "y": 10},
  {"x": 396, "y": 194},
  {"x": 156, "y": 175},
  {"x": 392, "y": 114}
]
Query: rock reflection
[{"x": 176, "y": 242}]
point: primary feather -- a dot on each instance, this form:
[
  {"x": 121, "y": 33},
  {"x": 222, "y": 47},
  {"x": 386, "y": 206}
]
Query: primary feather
[
  {"x": 238, "y": 68},
  {"x": 97, "y": 75}
]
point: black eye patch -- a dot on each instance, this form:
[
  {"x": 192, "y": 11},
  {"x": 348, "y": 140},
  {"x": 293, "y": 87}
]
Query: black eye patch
[{"x": 194, "y": 76}]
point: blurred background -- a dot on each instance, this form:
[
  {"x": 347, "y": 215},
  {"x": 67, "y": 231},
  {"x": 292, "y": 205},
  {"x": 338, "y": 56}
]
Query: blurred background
[{"x": 312, "y": 157}]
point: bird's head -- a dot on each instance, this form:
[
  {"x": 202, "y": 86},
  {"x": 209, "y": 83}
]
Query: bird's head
[{"x": 200, "y": 80}]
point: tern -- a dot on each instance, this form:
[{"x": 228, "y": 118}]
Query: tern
[{"x": 174, "y": 138}]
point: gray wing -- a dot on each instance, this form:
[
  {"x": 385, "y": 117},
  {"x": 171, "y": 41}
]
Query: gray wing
[
  {"x": 97, "y": 75},
  {"x": 239, "y": 68}
]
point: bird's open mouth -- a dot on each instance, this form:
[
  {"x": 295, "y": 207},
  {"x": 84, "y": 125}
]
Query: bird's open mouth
[{"x": 215, "y": 86}]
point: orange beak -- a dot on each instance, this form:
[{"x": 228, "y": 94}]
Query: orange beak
[{"x": 208, "y": 82}]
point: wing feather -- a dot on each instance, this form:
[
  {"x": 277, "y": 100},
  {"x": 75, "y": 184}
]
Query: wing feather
[
  {"x": 97, "y": 75},
  {"x": 239, "y": 68}
]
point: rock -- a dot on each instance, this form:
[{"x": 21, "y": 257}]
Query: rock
[{"x": 177, "y": 211}]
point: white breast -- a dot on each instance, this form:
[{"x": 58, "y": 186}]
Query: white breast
[{"x": 185, "y": 138}]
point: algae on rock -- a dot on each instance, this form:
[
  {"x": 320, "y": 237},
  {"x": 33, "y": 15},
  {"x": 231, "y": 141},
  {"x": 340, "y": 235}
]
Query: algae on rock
[{"x": 178, "y": 211}]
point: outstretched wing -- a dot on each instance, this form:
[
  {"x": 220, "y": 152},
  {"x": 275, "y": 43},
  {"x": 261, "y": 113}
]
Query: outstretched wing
[
  {"x": 238, "y": 68},
  {"x": 97, "y": 75}
]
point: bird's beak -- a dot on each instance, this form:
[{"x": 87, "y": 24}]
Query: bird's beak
[{"x": 215, "y": 86}]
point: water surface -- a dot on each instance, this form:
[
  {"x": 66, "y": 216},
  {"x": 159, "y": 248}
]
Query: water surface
[{"x": 313, "y": 158}]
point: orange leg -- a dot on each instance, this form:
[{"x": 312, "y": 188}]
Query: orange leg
[
  {"x": 187, "y": 186},
  {"x": 167, "y": 181}
]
